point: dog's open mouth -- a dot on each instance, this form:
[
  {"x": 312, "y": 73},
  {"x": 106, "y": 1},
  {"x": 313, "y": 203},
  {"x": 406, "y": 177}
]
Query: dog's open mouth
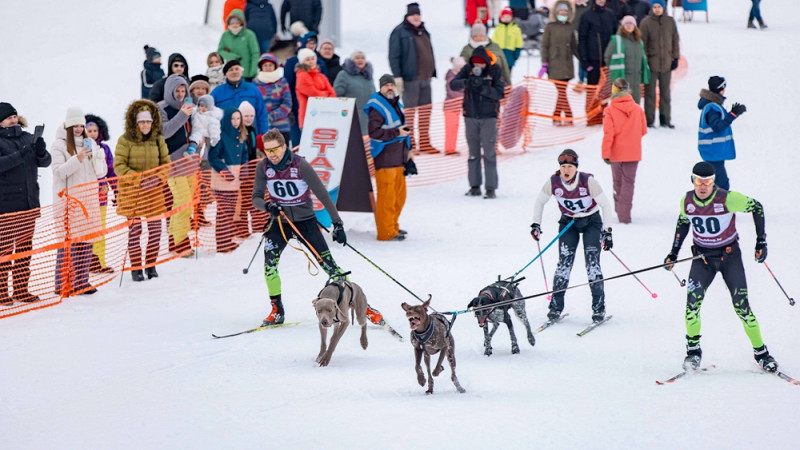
[
  {"x": 413, "y": 322},
  {"x": 481, "y": 321}
]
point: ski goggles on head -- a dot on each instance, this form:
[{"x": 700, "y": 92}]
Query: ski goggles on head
[
  {"x": 703, "y": 181},
  {"x": 568, "y": 159}
]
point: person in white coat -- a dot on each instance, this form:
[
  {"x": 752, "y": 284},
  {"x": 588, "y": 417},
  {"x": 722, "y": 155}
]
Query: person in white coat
[{"x": 77, "y": 164}]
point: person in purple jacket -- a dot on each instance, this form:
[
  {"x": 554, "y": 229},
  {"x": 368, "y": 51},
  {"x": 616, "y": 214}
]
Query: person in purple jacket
[
  {"x": 275, "y": 90},
  {"x": 97, "y": 129}
]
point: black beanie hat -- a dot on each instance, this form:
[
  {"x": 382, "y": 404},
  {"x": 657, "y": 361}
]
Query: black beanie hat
[
  {"x": 6, "y": 111},
  {"x": 229, "y": 64},
  {"x": 413, "y": 9},
  {"x": 716, "y": 84},
  {"x": 385, "y": 79},
  {"x": 151, "y": 53},
  {"x": 570, "y": 157},
  {"x": 703, "y": 169}
]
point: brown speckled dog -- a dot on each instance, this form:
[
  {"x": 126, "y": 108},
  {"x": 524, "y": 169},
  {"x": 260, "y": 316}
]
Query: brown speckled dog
[
  {"x": 431, "y": 335},
  {"x": 331, "y": 305}
]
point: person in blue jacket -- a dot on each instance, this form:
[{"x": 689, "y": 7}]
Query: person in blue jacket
[
  {"x": 235, "y": 90},
  {"x": 714, "y": 134}
]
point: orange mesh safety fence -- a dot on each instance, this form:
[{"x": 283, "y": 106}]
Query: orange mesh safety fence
[{"x": 65, "y": 249}]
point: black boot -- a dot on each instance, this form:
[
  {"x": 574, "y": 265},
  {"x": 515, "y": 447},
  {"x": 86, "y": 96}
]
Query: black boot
[
  {"x": 137, "y": 275},
  {"x": 764, "y": 359},
  {"x": 694, "y": 355},
  {"x": 275, "y": 316},
  {"x": 761, "y": 24},
  {"x": 151, "y": 272}
]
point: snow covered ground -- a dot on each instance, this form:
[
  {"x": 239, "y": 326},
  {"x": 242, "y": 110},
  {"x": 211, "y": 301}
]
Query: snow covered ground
[{"x": 135, "y": 366}]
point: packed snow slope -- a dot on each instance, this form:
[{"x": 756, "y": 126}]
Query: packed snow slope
[{"x": 135, "y": 367}]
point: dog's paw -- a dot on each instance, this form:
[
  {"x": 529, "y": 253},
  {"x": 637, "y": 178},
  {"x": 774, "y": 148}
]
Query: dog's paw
[
  {"x": 488, "y": 351},
  {"x": 438, "y": 370},
  {"x": 421, "y": 379},
  {"x": 323, "y": 360},
  {"x": 461, "y": 390},
  {"x": 531, "y": 340},
  {"x": 429, "y": 391},
  {"x": 364, "y": 343},
  {"x": 514, "y": 349}
]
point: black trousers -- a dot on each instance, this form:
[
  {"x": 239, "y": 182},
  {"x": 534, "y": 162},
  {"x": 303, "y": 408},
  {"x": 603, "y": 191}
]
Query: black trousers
[{"x": 590, "y": 227}]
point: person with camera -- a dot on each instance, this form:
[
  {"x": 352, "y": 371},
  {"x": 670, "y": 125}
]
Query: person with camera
[
  {"x": 482, "y": 81},
  {"x": 389, "y": 144},
  {"x": 21, "y": 154}
]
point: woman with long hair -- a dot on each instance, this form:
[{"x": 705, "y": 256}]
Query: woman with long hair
[{"x": 626, "y": 58}]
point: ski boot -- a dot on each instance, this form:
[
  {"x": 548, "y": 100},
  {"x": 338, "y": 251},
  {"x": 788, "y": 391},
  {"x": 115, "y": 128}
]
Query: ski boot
[
  {"x": 375, "y": 316},
  {"x": 764, "y": 359},
  {"x": 598, "y": 315},
  {"x": 553, "y": 315},
  {"x": 275, "y": 316},
  {"x": 693, "y": 356}
]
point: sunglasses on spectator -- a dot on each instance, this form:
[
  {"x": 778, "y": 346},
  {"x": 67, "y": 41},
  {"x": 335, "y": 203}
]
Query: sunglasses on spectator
[
  {"x": 273, "y": 149},
  {"x": 567, "y": 159},
  {"x": 178, "y": 65},
  {"x": 703, "y": 181}
]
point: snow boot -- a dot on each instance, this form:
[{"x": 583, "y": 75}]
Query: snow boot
[
  {"x": 490, "y": 194},
  {"x": 474, "y": 191},
  {"x": 750, "y": 24},
  {"x": 764, "y": 359},
  {"x": 598, "y": 315},
  {"x": 151, "y": 273},
  {"x": 693, "y": 356},
  {"x": 137, "y": 275},
  {"x": 375, "y": 316},
  {"x": 275, "y": 317},
  {"x": 762, "y": 25}
]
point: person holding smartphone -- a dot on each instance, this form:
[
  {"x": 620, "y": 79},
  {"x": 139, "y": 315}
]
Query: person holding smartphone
[
  {"x": 21, "y": 154},
  {"x": 77, "y": 164}
]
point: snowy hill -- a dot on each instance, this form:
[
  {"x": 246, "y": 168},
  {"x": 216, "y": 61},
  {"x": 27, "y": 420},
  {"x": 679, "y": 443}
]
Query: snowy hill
[{"x": 135, "y": 366}]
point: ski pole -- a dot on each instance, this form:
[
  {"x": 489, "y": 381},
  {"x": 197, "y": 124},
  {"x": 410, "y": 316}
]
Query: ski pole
[
  {"x": 646, "y": 269},
  {"x": 544, "y": 274},
  {"x": 377, "y": 267},
  {"x": 263, "y": 236},
  {"x": 791, "y": 300},
  {"x": 682, "y": 282},
  {"x": 652, "y": 294},
  {"x": 571, "y": 222}
]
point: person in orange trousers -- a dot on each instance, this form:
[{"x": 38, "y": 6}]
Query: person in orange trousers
[
  {"x": 624, "y": 124},
  {"x": 389, "y": 145}
]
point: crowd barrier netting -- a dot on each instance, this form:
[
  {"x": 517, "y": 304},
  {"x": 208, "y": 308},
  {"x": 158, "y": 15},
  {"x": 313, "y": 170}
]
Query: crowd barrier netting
[{"x": 88, "y": 226}]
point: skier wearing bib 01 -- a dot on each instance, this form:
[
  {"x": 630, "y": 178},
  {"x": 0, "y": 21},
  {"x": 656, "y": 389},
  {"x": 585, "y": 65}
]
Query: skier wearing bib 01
[
  {"x": 709, "y": 210},
  {"x": 579, "y": 198},
  {"x": 290, "y": 181}
]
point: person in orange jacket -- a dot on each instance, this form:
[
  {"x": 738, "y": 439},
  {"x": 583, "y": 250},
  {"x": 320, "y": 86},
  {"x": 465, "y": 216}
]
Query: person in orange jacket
[
  {"x": 624, "y": 124},
  {"x": 310, "y": 82}
]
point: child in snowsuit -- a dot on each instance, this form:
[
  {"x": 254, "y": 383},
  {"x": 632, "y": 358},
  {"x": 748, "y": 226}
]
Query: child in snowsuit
[
  {"x": 152, "y": 71},
  {"x": 205, "y": 125}
]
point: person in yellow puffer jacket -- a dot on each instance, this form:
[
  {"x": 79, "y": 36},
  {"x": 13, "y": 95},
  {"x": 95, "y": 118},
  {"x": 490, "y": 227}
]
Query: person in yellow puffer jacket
[{"x": 508, "y": 36}]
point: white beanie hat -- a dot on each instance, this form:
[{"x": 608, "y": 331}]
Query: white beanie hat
[
  {"x": 74, "y": 117},
  {"x": 305, "y": 53},
  {"x": 246, "y": 108}
]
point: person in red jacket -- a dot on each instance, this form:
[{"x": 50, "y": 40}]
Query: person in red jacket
[
  {"x": 310, "y": 82},
  {"x": 624, "y": 125}
]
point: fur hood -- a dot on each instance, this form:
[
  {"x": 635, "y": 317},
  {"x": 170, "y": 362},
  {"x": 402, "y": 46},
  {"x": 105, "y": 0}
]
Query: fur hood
[
  {"x": 350, "y": 67},
  {"x": 712, "y": 97},
  {"x": 101, "y": 125},
  {"x": 571, "y": 15},
  {"x": 132, "y": 132}
]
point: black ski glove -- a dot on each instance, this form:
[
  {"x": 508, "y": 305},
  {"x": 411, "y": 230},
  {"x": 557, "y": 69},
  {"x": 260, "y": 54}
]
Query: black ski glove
[
  {"x": 338, "y": 233},
  {"x": 674, "y": 64},
  {"x": 761, "y": 249},
  {"x": 536, "y": 230},
  {"x": 274, "y": 210},
  {"x": 607, "y": 240},
  {"x": 40, "y": 147},
  {"x": 738, "y": 109},
  {"x": 670, "y": 258},
  {"x": 410, "y": 168}
]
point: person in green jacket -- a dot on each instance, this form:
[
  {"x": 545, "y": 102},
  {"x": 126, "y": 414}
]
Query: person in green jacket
[
  {"x": 625, "y": 57},
  {"x": 238, "y": 42},
  {"x": 508, "y": 36}
]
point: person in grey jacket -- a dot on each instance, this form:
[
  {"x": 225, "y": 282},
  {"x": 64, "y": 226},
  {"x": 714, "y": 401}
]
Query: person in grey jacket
[{"x": 355, "y": 80}]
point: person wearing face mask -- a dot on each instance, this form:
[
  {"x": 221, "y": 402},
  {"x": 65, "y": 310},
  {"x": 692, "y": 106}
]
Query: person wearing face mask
[
  {"x": 355, "y": 80},
  {"x": 77, "y": 161},
  {"x": 626, "y": 58},
  {"x": 482, "y": 81},
  {"x": 240, "y": 43},
  {"x": 559, "y": 48},
  {"x": 478, "y": 38}
]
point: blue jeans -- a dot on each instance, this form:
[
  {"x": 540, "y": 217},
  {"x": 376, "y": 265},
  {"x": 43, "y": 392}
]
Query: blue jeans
[
  {"x": 265, "y": 45},
  {"x": 721, "y": 178},
  {"x": 755, "y": 11},
  {"x": 80, "y": 257},
  {"x": 295, "y": 133}
]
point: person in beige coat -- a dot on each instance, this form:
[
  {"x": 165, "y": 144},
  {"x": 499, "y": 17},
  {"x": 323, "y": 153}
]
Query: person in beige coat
[
  {"x": 662, "y": 46},
  {"x": 559, "y": 48},
  {"x": 77, "y": 164}
]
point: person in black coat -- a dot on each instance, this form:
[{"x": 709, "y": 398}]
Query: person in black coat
[
  {"x": 639, "y": 9},
  {"x": 482, "y": 81},
  {"x": 597, "y": 26},
  {"x": 260, "y": 17},
  {"x": 176, "y": 64},
  {"x": 20, "y": 157},
  {"x": 307, "y": 11}
]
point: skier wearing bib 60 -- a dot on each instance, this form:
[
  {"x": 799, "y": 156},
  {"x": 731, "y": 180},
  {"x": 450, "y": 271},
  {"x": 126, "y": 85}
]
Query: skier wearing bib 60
[
  {"x": 579, "y": 198},
  {"x": 290, "y": 181},
  {"x": 709, "y": 210}
]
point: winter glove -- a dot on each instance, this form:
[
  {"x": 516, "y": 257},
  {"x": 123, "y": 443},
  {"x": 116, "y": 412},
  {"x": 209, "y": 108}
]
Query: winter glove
[
  {"x": 338, "y": 233},
  {"x": 606, "y": 239},
  {"x": 274, "y": 209},
  {"x": 40, "y": 147},
  {"x": 536, "y": 230},
  {"x": 607, "y": 161},
  {"x": 670, "y": 258},
  {"x": 192, "y": 149},
  {"x": 543, "y": 70},
  {"x": 674, "y": 64},
  {"x": 227, "y": 175},
  {"x": 738, "y": 109},
  {"x": 761, "y": 249},
  {"x": 410, "y": 168},
  {"x": 150, "y": 183}
]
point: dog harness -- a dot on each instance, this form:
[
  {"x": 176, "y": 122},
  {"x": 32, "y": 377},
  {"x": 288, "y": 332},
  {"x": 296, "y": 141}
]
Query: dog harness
[
  {"x": 340, "y": 284},
  {"x": 425, "y": 336}
]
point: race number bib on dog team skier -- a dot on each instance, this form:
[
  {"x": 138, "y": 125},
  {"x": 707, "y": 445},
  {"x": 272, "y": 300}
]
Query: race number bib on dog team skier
[
  {"x": 287, "y": 187},
  {"x": 713, "y": 225},
  {"x": 576, "y": 201}
]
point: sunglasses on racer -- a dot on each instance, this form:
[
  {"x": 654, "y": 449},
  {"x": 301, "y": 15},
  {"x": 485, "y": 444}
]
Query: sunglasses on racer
[
  {"x": 273, "y": 149},
  {"x": 703, "y": 181}
]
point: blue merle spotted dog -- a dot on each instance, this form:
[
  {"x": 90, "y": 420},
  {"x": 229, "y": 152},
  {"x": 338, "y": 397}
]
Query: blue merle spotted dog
[{"x": 501, "y": 291}]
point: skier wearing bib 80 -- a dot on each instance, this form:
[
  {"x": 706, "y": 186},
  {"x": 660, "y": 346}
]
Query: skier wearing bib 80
[
  {"x": 290, "y": 181},
  {"x": 709, "y": 210},
  {"x": 579, "y": 198}
]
